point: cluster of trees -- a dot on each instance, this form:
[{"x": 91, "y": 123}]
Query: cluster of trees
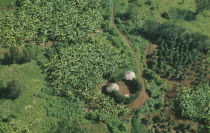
[
  {"x": 193, "y": 103},
  {"x": 164, "y": 124},
  {"x": 178, "y": 52},
  {"x": 44, "y": 20},
  {"x": 21, "y": 54},
  {"x": 84, "y": 65}
]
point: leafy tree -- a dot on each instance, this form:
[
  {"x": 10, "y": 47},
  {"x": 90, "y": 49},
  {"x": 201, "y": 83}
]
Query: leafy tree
[
  {"x": 11, "y": 89},
  {"x": 21, "y": 54},
  {"x": 30, "y": 52},
  {"x": 202, "y": 5},
  {"x": 15, "y": 54},
  {"x": 14, "y": 89},
  {"x": 149, "y": 74},
  {"x": 193, "y": 103}
]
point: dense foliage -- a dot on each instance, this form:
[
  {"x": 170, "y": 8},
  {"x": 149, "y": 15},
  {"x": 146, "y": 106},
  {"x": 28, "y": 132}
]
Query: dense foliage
[
  {"x": 49, "y": 20},
  {"x": 83, "y": 66},
  {"x": 82, "y": 44},
  {"x": 11, "y": 89},
  {"x": 177, "y": 52},
  {"x": 21, "y": 54},
  {"x": 193, "y": 103}
]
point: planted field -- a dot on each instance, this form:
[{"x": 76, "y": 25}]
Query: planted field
[{"x": 118, "y": 66}]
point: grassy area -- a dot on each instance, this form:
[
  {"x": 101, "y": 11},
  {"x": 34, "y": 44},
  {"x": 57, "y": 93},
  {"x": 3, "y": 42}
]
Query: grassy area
[
  {"x": 120, "y": 5},
  {"x": 36, "y": 109},
  {"x": 27, "y": 107},
  {"x": 152, "y": 11},
  {"x": 7, "y": 4},
  {"x": 42, "y": 112}
]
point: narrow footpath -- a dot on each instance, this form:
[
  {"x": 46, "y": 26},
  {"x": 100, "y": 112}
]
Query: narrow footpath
[{"x": 143, "y": 94}]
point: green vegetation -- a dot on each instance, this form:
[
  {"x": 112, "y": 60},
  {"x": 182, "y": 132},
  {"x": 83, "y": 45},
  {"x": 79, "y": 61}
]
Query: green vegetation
[
  {"x": 83, "y": 66},
  {"x": 7, "y": 4},
  {"x": 177, "y": 52},
  {"x": 11, "y": 90},
  {"x": 193, "y": 103},
  {"x": 56, "y": 56},
  {"x": 20, "y": 54},
  {"x": 54, "y": 21}
]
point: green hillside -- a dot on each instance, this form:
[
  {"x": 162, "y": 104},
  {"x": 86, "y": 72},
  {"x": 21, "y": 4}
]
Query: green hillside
[{"x": 104, "y": 66}]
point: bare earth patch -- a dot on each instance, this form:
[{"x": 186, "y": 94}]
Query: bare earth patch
[
  {"x": 143, "y": 97},
  {"x": 123, "y": 88},
  {"x": 28, "y": 107}
]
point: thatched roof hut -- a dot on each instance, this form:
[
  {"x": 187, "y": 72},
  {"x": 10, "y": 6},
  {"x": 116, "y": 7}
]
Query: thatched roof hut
[
  {"x": 112, "y": 87},
  {"x": 129, "y": 75}
]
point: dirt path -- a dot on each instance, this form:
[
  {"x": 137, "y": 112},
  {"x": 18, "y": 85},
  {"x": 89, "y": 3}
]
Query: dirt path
[
  {"x": 148, "y": 48},
  {"x": 143, "y": 94}
]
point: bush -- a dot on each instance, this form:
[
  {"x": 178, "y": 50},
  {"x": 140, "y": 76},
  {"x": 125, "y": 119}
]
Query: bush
[
  {"x": 12, "y": 90},
  {"x": 136, "y": 123},
  {"x": 14, "y": 56},
  {"x": 19, "y": 54},
  {"x": 117, "y": 97},
  {"x": 30, "y": 52},
  {"x": 193, "y": 103},
  {"x": 149, "y": 74}
]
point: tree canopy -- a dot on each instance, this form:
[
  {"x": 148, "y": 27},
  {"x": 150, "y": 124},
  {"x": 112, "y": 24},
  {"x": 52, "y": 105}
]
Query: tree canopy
[{"x": 84, "y": 65}]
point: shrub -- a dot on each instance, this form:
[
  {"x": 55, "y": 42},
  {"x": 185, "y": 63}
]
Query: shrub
[
  {"x": 15, "y": 54},
  {"x": 118, "y": 97},
  {"x": 165, "y": 15},
  {"x": 136, "y": 123},
  {"x": 193, "y": 103},
  {"x": 69, "y": 126},
  {"x": 12, "y": 90},
  {"x": 19, "y": 54},
  {"x": 30, "y": 52},
  {"x": 149, "y": 74}
]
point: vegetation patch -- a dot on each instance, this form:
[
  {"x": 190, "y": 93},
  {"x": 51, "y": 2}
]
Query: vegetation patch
[
  {"x": 193, "y": 103},
  {"x": 83, "y": 66},
  {"x": 134, "y": 87}
]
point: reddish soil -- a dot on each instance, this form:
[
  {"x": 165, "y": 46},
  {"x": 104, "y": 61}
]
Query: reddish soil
[
  {"x": 143, "y": 97},
  {"x": 123, "y": 88},
  {"x": 150, "y": 48},
  {"x": 46, "y": 44}
]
